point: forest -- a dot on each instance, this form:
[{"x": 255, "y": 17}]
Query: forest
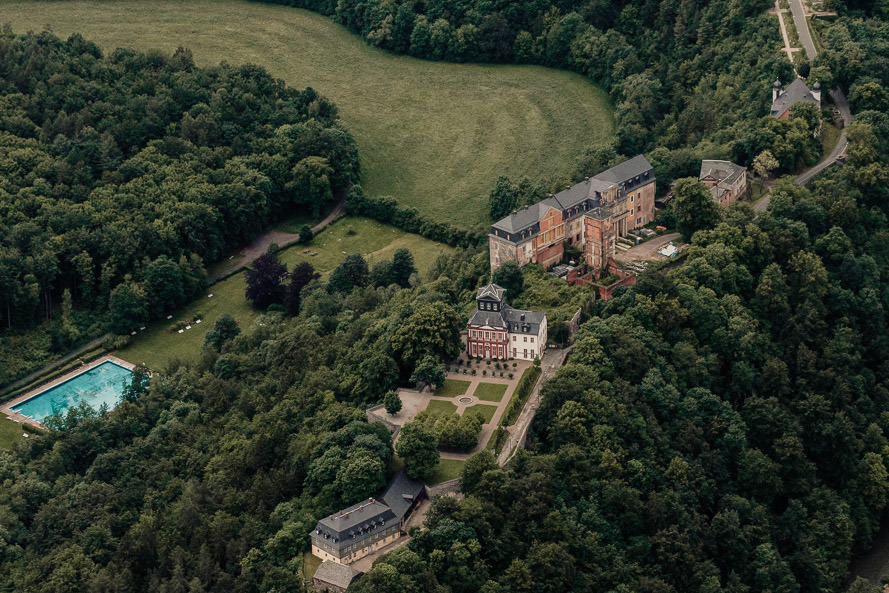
[
  {"x": 123, "y": 176},
  {"x": 721, "y": 426}
]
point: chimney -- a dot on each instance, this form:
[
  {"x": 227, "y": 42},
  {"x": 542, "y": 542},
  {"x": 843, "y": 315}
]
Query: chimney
[{"x": 776, "y": 90}]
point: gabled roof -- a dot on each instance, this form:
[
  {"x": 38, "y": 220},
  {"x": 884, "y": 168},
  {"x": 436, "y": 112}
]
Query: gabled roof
[
  {"x": 492, "y": 290},
  {"x": 354, "y": 524},
  {"x": 793, "y": 94},
  {"x": 525, "y": 217},
  {"x": 401, "y": 493},
  {"x": 626, "y": 170},
  {"x": 721, "y": 171},
  {"x": 336, "y": 574}
]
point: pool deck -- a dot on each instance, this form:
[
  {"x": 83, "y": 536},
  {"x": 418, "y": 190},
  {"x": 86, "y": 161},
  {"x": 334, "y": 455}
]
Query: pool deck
[{"x": 6, "y": 407}]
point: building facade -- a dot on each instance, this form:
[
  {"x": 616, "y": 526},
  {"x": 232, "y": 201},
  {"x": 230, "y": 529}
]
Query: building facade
[
  {"x": 498, "y": 331},
  {"x": 618, "y": 200},
  {"x": 368, "y": 526},
  {"x": 726, "y": 180}
]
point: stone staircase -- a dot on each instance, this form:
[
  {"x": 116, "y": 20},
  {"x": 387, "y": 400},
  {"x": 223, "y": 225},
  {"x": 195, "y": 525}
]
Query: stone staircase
[{"x": 623, "y": 244}]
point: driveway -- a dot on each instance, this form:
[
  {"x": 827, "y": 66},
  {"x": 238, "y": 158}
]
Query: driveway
[
  {"x": 646, "y": 251},
  {"x": 802, "y": 28}
]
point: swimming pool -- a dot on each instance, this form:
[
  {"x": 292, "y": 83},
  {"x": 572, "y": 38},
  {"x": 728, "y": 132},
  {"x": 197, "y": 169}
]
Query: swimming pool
[{"x": 102, "y": 384}]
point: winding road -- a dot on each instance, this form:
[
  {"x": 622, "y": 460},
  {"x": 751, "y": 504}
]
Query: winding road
[{"x": 839, "y": 99}]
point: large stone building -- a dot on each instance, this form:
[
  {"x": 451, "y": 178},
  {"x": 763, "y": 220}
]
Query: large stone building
[
  {"x": 590, "y": 215},
  {"x": 366, "y": 527},
  {"x": 797, "y": 92},
  {"x": 498, "y": 331},
  {"x": 726, "y": 180}
]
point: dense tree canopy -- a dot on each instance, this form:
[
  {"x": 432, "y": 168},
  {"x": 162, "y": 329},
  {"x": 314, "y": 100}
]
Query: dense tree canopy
[{"x": 148, "y": 166}]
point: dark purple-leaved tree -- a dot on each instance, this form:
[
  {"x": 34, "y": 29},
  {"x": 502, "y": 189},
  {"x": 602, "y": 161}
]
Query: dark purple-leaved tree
[
  {"x": 301, "y": 275},
  {"x": 265, "y": 281}
]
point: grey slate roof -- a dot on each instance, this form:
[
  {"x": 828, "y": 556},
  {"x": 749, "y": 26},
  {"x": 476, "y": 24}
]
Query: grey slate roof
[
  {"x": 492, "y": 290},
  {"x": 529, "y": 325},
  {"x": 487, "y": 319},
  {"x": 796, "y": 92},
  {"x": 627, "y": 170},
  {"x": 722, "y": 171},
  {"x": 632, "y": 173},
  {"x": 336, "y": 574},
  {"x": 402, "y": 492},
  {"x": 362, "y": 520}
]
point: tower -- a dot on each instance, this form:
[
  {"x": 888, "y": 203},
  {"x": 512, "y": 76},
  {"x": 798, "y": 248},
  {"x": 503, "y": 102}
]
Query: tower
[{"x": 776, "y": 90}]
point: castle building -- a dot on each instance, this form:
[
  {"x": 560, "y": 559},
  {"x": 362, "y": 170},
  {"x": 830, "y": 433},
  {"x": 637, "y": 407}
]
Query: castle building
[
  {"x": 498, "y": 331},
  {"x": 726, "y": 180},
  {"x": 366, "y": 527},
  {"x": 589, "y": 215},
  {"x": 784, "y": 99}
]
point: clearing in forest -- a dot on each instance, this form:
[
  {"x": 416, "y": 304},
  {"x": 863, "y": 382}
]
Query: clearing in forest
[
  {"x": 160, "y": 342},
  {"x": 434, "y": 135}
]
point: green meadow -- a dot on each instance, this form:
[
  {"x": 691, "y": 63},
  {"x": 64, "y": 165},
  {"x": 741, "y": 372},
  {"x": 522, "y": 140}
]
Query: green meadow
[{"x": 433, "y": 135}]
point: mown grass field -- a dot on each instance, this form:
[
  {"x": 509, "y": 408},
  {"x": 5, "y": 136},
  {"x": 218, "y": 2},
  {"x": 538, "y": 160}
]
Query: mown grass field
[
  {"x": 447, "y": 469},
  {"x": 487, "y": 412},
  {"x": 490, "y": 392},
  {"x": 452, "y": 388},
  {"x": 10, "y": 433},
  {"x": 433, "y": 135},
  {"x": 157, "y": 344}
]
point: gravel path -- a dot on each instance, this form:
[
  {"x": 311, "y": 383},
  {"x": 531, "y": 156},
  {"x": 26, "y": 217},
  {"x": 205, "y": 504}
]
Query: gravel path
[{"x": 261, "y": 244}]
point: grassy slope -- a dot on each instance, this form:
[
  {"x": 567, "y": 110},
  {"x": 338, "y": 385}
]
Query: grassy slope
[
  {"x": 158, "y": 344},
  {"x": 10, "y": 433},
  {"x": 434, "y": 135}
]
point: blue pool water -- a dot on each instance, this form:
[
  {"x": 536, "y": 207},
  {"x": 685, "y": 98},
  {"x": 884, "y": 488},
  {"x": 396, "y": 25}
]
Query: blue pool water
[{"x": 100, "y": 385}]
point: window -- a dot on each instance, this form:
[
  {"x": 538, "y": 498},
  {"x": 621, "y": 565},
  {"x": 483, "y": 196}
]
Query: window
[
  {"x": 526, "y": 353},
  {"x": 532, "y": 340},
  {"x": 513, "y": 353},
  {"x": 632, "y": 198},
  {"x": 526, "y": 338},
  {"x": 487, "y": 335},
  {"x": 474, "y": 350},
  {"x": 632, "y": 210},
  {"x": 513, "y": 338},
  {"x": 532, "y": 354}
]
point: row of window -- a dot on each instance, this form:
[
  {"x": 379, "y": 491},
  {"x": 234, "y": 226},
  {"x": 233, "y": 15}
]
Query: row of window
[
  {"x": 487, "y": 335},
  {"x": 496, "y": 351}
]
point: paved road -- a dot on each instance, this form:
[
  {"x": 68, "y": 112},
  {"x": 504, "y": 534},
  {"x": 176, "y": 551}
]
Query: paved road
[
  {"x": 839, "y": 99},
  {"x": 802, "y": 28},
  {"x": 552, "y": 360},
  {"x": 261, "y": 244}
]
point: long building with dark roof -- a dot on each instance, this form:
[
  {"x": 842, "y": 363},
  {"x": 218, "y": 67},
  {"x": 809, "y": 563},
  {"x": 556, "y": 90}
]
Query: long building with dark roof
[
  {"x": 363, "y": 528},
  {"x": 589, "y": 215}
]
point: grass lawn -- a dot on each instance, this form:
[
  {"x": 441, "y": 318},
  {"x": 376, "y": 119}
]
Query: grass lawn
[
  {"x": 830, "y": 135},
  {"x": 431, "y": 134},
  {"x": 157, "y": 344},
  {"x": 485, "y": 410},
  {"x": 438, "y": 407},
  {"x": 447, "y": 469},
  {"x": 10, "y": 432},
  {"x": 452, "y": 388},
  {"x": 490, "y": 392},
  {"x": 310, "y": 564}
]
